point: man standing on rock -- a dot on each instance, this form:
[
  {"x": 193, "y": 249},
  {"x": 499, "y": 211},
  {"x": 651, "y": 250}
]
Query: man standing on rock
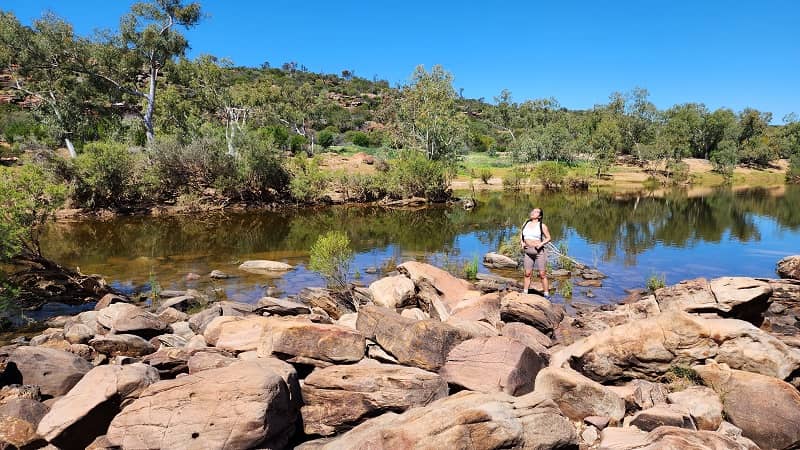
[{"x": 534, "y": 236}]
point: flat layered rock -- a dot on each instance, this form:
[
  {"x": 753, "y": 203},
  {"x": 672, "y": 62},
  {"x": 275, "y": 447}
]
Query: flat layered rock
[
  {"x": 579, "y": 397},
  {"x": 451, "y": 289},
  {"x": 529, "y": 336},
  {"x": 333, "y": 303},
  {"x": 393, "y": 292},
  {"x": 121, "y": 345},
  {"x": 419, "y": 343},
  {"x": 497, "y": 261},
  {"x": 662, "y": 415},
  {"x": 666, "y": 438},
  {"x": 207, "y": 359},
  {"x": 54, "y": 371},
  {"x": 76, "y": 419},
  {"x": 531, "y": 309},
  {"x": 182, "y": 303},
  {"x": 238, "y": 406},
  {"x": 339, "y": 397},
  {"x": 260, "y": 266},
  {"x": 738, "y": 297},
  {"x": 330, "y": 343},
  {"x": 129, "y": 319},
  {"x": 236, "y": 333},
  {"x": 646, "y": 349},
  {"x": 493, "y": 364},
  {"x": 465, "y": 420},
  {"x": 702, "y": 403},
  {"x": 766, "y": 409},
  {"x": 199, "y": 321},
  {"x": 281, "y": 307}
]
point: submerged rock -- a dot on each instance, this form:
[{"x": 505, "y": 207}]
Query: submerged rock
[{"x": 261, "y": 266}]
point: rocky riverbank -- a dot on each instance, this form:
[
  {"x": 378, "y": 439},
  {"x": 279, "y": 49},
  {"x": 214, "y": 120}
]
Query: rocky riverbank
[{"x": 420, "y": 359}]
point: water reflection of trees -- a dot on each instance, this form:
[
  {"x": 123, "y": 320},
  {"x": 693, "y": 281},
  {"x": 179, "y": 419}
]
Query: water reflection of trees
[{"x": 630, "y": 224}]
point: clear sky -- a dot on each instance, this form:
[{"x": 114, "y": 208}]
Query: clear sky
[{"x": 721, "y": 53}]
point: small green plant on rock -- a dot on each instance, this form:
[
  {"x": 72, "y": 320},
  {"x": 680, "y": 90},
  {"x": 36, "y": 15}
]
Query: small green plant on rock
[
  {"x": 680, "y": 377},
  {"x": 330, "y": 257},
  {"x": 656, "y": 282},
  {"x": 471, "y": 269},
  {"x": 485, "y": 175}
]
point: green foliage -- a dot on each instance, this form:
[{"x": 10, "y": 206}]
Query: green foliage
[
  {"x": 106, "y": 175},
  {"x": 471, "y": 268},
  {"x": 358, "y": 138},
  {"x": 325, "y": 138},
  {"x": 680, "y": 377},
  {"x": 414, "y": 175},
  {"x": 16, "y": 125},
  {"x": 510, "y": 247},
  {"x": 515, "y": 179},
  {"x": 330, "y": 256},
  {"x": 259, "y": 172},
  {"x": 550, "y": 174},
  {"x": 656, "y": 282},
  {"x": 565, "y": 288},
  {"x": 678, "y": 172},
  {"x": 725, "y": 158},
  {"x": 564, "y": 261},
  {"x": 604, "y": 142},
  {"x": 793, "y": 174},
  {"x": 485, "y": 175},
  {"x": 308, "y": 181},
  {"x": 297, "y": 143},
  {"x": 189, "y": 167},
  {"x": 428, "y": 114},
  {"x": 359, "y": 186},
  {"x": 29, "y": 197}
]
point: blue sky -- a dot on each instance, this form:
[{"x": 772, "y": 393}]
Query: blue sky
[{"x": 721, "y": 53}]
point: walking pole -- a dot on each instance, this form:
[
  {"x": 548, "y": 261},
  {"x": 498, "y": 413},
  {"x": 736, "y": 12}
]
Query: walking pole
[{"x": 554, "y": 249}]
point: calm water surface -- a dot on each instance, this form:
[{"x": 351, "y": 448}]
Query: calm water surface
[{"x": 629, "y": 237}]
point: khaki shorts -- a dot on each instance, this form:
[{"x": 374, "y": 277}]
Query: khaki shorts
[{"x": 535, "y": 259}]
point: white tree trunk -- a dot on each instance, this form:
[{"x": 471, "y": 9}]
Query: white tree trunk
[
  {"x": 70, "y": 147},
  {"x": 151, "y": 106}
]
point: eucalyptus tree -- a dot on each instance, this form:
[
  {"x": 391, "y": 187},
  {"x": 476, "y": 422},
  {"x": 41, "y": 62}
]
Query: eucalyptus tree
[
  {"x": 428, "y": 115},
  {"x": 131, "y": 61},
  {"x": 34, "y": 57}
]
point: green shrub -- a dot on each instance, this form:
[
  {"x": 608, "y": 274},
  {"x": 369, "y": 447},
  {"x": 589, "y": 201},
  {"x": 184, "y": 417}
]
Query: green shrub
[
  {"x": 297, "y": 143},
  {"x": 793, "y": 174},
  {"x": 725, "y": 158},
  {"x": 550, "y": 174},
  {"x": 17, "y": 125},
  {"x": 106, "y": 175},
  {"x": 191, "y": 167},
  {"x": 308, "y": 182},
  {"x": 278, "y": 135},
  {"x": 358, "y": 138},
  {"x": 259, "y": 171},
  {"x": 678, "y": 172},
  {"x": 486, "y": 175},
  {"x": 565, "y": 288},
  {"x": 656, "y": 282},
  {"x": 359, "y": 187},
  {"x": 330, "y": 256},
  {"x": 471, "y": 269},
  {"x": 564, "y": 261},
  {"x": 510, "y": 247},
  {"x": 413, "y": 174},
  {"x": 29, "y": 197},
  {"x": 325, "y": 138},
  {"x": 514, "y": 179}
]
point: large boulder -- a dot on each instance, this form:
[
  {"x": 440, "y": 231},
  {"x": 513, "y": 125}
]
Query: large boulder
[
  {"x": 130, "y": 319},
  {"x": 648, "y": 348},
  {"x": 493, "y": 364},
  {"x": 262, "y": 266},
  {"x": 531, "y": 309},
  {"x": 577, "y": 396},
  {"x": 281, "y": 307},
  {"x": 466, "y": 420},
  {"x": 200, "y": 320},
  {"x": 54, "y": 371},
  {"x": 666, "y": 438},
  {"x": 76, "y": 419},
  {"x": 239, "y": 406},
  {"x": 303, "y": 339},
  {"x": 702, "y": 403},
  {"x": 235, "y": 333},
  {"x": 19, "y": 418},
  {"x": 337, "y": 398},
  {"x": 205, "y": 359},
  {"x": 121, "y": 345},
  {"x": 529, "y": 336},
  {"x": 497, "y": 261},
  {"x": 765, "y": 408},
  {"x": 738, "y": 297},
  {"x": 485, "y": 308},
  {"x": 789, "y": 267},
  {"x": 451, "y": 289},
  {"x": 393, "y": 292},
  {"x": 419, "y": 343}
]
